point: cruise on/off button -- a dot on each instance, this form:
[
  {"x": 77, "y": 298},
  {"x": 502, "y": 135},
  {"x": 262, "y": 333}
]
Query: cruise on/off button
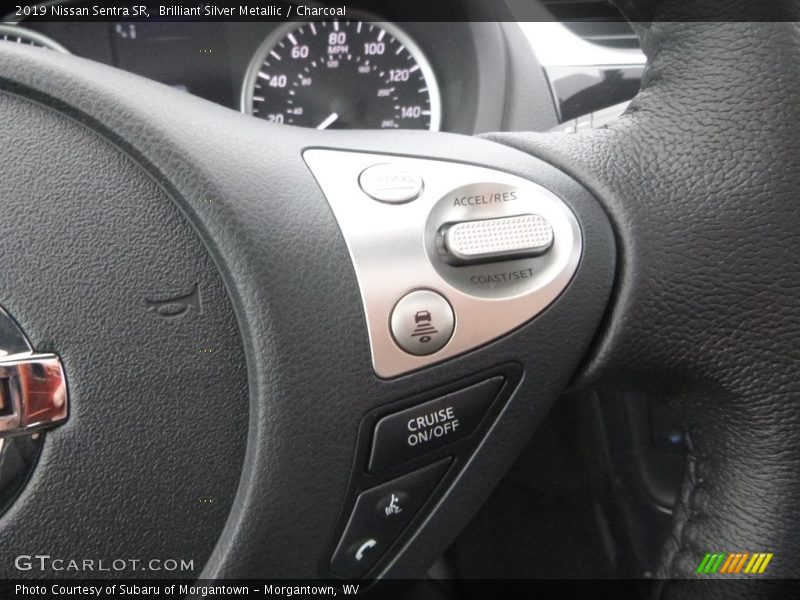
[{"x": 431, "y": 425}]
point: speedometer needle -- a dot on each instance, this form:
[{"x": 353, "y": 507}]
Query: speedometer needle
[{"x": 328, "y": 121}]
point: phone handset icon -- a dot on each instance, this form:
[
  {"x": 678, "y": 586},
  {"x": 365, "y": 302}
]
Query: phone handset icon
[{"x": 364, "y": 547}]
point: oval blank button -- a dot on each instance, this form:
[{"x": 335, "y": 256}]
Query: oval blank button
[{"x": 388, "y": 183}]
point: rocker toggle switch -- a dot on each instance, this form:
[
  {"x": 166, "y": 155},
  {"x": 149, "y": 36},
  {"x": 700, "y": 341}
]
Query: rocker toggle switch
[{"x": 489, "y": 240}]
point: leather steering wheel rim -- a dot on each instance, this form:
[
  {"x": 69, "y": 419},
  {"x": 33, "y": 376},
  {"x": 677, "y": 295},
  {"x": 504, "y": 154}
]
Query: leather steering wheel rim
[{"x": 695, "y": 178}]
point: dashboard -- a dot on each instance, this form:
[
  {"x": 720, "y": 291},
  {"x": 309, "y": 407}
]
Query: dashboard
[{"x": 365, "y": 71}]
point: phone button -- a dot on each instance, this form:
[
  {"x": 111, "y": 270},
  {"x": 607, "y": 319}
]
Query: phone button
[
  {"x": 361, "y": 548},
  {"x": 380, "y": 515}
]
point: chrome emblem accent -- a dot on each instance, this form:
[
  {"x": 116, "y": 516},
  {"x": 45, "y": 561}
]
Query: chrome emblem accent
[
  {"x": 33, "y": 393},
  {"x": 33, "y": 388}
]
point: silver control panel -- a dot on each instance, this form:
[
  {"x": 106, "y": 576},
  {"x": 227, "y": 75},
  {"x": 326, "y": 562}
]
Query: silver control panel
[{"x": 448, "y": 256}]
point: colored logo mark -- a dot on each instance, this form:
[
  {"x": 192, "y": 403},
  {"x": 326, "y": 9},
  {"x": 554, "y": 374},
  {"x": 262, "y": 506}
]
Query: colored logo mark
[{"x": 731, "y": 563}]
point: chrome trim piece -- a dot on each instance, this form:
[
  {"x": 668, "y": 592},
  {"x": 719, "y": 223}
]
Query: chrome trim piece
[
  {"x": 260, "y": 55},
  {"x": 556, "y": 46},
  {"x": 394, "y": 249},
  {"x": 33, "y": 393},
  {"x": 33, "y": 388}
]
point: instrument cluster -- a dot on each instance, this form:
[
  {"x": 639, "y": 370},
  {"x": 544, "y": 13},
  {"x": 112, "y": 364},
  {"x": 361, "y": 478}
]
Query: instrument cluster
[{"x": 364, "y": 72}]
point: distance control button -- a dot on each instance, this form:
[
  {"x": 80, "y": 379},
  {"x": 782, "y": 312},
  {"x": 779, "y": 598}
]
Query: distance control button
[
  {"x": 423, "y": 428},
  {"x": 380, "y": 515},
  {"x": 488, "y": 240},
  {"x": 389, "y": 183},
  {"x": 422, "y": 322}
]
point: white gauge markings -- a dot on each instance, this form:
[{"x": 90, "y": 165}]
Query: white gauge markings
[{"x": 344, "y": 74}]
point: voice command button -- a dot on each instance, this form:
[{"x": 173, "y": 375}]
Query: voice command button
[{"x": 380, "y": 515}]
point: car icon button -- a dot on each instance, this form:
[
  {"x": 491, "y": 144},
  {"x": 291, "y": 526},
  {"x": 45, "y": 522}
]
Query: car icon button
[{"x": 422, "y": 322}]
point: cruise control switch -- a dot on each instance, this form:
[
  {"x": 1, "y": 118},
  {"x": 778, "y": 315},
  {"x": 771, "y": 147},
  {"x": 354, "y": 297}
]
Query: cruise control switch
[
  {"x": 489, "y": 240},
  {"x": 449, "y": 256}
]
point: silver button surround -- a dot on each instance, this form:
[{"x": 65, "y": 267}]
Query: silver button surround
[
  {"x": 422, "y": 322},
  {"x": 394, "y": 249}
]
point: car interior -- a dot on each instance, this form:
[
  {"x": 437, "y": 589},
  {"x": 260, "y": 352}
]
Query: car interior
[{"x": 437, "y": 299}]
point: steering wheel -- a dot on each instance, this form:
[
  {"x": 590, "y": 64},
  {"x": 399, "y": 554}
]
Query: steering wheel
[{"x": 240, "y": 307}]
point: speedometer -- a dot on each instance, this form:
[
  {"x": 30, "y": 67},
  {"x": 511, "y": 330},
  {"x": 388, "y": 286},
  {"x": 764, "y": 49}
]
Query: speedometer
[{"x": 342, "y": 74}]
